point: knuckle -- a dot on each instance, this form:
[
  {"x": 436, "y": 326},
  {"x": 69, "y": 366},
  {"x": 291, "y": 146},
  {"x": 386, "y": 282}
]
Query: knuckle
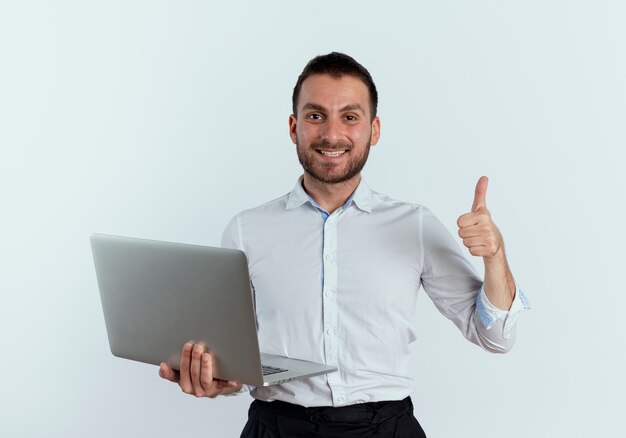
[{"x": 186, "y": 389}]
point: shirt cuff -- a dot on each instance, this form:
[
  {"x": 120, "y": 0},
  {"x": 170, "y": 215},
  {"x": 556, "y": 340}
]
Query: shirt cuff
[{"x": 489, "y": 314}]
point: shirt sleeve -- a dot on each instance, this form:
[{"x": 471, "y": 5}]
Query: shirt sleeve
[
  {"x": 455, "y": 288},
  {"x": 489, "y": 314},
  {"x": 231, "y": 237}
]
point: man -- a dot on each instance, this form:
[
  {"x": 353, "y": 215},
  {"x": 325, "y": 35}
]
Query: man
[{"x": 336, "y": 268}]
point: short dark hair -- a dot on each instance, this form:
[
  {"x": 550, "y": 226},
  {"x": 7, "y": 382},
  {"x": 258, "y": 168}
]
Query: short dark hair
[{"x": 338, "y": 65}]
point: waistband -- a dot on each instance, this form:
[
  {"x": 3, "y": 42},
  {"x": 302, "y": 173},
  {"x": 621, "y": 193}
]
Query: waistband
[{"x": 372, "y": 411}]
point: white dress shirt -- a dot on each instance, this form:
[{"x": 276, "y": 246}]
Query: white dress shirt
[{"x": 341, "y": 289}]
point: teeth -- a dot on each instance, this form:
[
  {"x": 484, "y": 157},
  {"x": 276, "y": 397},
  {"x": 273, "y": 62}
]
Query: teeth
[{"x": 333, "y": 154}]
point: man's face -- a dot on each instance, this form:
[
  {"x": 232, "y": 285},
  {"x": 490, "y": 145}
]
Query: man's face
[{"x": 333, "y": 130}]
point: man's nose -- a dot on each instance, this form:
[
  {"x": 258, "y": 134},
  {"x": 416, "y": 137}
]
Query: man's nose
[{"x": 332, "y": 131}]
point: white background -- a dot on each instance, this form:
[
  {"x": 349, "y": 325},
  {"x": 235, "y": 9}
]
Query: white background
[{"x": 164, "y": 119}]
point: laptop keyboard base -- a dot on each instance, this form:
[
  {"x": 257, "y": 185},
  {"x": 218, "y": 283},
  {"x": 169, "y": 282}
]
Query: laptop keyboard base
[{"x": 267, "y": 370}]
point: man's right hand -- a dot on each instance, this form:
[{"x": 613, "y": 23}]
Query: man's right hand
[{"x": 196, "y": 374}]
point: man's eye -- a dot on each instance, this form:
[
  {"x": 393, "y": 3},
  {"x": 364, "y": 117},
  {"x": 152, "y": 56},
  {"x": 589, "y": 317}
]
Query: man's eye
[
  {"x": 350, "y": 118},
  {"x": 315, "y": 116}
]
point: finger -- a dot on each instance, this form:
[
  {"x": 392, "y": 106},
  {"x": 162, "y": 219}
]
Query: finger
[
  {"x": 485, "y": 246},
  {"x": 471, "y": 242},
  {"x": 225, "y": 387},
  {"x": 206, "y": 376},
  {"x": 479, "y": 251},
  {"x": 232, "y": 386},
  {"x": 228, "y": 383},
  {"x": 167, "y": 373},
  {"x": 196, "y": 365},
  {"x": 473, "y": 231},
  {"x": 480, "y": 194},
  {"x": 468, "y": 220},
  {"x": 185, "y": 363}
]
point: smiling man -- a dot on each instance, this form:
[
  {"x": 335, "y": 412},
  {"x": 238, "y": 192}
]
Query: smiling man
[
  {"x": 336, "y": 130},
  {"x": 336, "y": 268}
]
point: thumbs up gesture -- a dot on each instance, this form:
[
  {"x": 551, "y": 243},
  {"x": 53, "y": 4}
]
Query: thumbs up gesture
[{"x": 479, "y": 233}]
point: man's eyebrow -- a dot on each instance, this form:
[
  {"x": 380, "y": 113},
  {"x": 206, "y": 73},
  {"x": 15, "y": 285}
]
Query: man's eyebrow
[
  {"x": 318, "y": 107},
  {"x": 353, "y": 107},
  {"x": 313, "y": 106}
]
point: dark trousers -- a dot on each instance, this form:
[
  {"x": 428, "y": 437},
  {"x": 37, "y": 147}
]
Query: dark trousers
[{"x": 387, "y": 419}]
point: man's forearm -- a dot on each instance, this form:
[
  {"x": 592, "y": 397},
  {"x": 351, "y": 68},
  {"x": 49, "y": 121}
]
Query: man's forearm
[{"x": 499, "y": 284}]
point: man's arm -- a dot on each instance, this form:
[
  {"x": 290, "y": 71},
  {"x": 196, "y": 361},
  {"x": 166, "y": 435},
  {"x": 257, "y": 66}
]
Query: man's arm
[{"x": 454, "y": 286}]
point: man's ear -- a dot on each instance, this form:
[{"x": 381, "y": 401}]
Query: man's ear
[
  {"x": 375, "y": 131},
  {"x": 292, "y": 128}
]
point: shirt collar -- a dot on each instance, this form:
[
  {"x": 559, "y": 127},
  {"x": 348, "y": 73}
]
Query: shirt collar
[{"x": 362, "y": 197}]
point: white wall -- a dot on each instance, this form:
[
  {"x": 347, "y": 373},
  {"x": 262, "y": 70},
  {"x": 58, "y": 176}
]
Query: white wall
[{"x": 163, "y": 119}]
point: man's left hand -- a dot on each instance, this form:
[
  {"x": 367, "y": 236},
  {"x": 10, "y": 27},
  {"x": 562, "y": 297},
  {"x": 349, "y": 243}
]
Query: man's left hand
[{"x": 479, "y": 233}]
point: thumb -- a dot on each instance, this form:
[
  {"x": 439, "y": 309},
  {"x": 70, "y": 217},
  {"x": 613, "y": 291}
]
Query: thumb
[{"x": 480, "y": 194}]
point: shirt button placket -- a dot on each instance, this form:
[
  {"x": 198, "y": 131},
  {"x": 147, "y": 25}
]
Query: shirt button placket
[{"x": 331, "y": 345}]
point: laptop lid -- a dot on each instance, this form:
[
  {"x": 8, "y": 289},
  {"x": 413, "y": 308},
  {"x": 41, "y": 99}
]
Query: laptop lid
[{"x": 158, "y": 295}]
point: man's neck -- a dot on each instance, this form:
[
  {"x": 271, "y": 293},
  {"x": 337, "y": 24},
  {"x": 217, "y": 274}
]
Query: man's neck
[{"x": 330, "y": 196}]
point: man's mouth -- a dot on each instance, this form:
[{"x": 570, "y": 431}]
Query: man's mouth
[{"x": 331, "y": 153}]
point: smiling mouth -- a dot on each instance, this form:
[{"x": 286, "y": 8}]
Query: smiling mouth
[{"x": 331, "y": 153}]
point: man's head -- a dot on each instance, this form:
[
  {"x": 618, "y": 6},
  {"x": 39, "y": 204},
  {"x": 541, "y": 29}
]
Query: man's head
[
  {"x": 334, "y": 124},
  {"x": 337, "y": 65}
]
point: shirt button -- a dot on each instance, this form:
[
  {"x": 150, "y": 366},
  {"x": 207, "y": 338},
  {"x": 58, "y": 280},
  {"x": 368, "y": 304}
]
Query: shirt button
[
  {"x": 330, "y": 293},
  {"x": 340, "y": 399},
  {"x": 330, "y": 331}
]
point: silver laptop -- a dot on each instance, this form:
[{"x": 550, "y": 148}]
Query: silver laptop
[{"x": 158, "y": 295}]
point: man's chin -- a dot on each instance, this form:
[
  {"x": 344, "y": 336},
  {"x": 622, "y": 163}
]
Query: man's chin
[{"x": 331, "y": 179}]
